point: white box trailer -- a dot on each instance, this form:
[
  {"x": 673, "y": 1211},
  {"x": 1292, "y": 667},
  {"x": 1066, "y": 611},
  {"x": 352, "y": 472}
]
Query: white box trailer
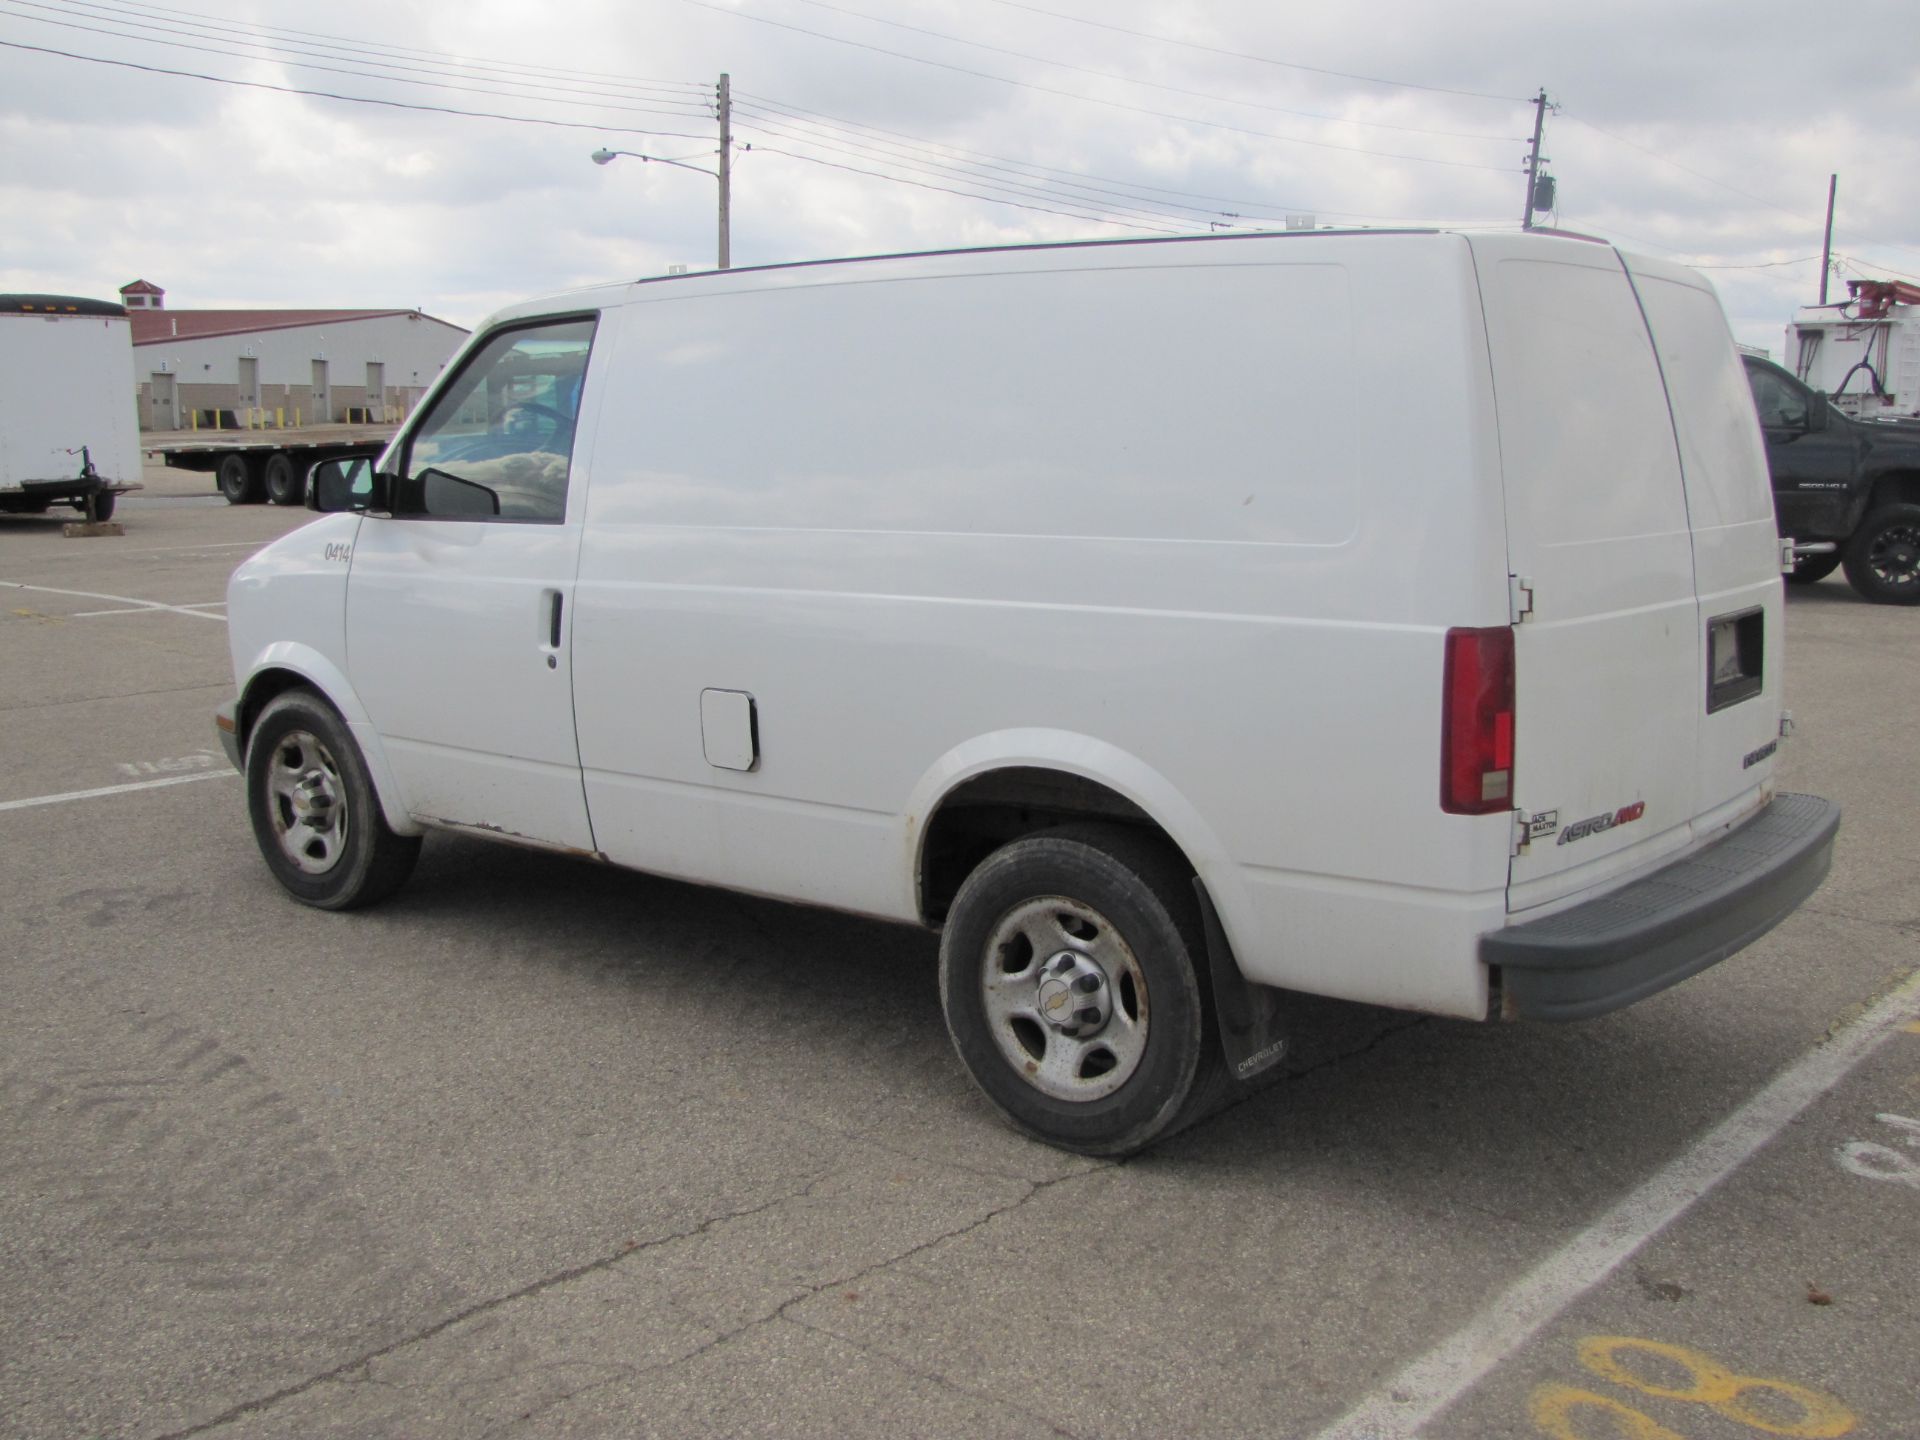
[{"x": 69, "y": 433}]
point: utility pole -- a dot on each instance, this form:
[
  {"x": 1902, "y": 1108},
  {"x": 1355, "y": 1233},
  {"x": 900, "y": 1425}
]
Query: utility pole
[
  {"x": 1533, "y": 156},
  {"x": 726, "y": 168},
  {"x": 1826, "y": 248}
]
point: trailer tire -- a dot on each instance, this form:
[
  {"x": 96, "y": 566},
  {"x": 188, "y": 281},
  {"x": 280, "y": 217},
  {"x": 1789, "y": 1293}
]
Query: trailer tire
[
  {"x": 236, "y": 479},
  {"x": 102, "y": 505},
  {"x": 285, "y": 480}
]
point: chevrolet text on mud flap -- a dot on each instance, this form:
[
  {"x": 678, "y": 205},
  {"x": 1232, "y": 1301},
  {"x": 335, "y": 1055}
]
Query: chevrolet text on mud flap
[
  {"x": 1041, "y": 604},
  {"x": 1580, "y": 829}
]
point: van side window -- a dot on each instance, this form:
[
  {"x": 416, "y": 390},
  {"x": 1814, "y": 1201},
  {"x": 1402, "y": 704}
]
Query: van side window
[
  {"x": 1781, "y": 403},
  {"x": 498, "y": 441}
]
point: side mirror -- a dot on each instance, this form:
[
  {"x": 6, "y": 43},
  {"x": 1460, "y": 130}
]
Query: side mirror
[
  {"x": 349, "y": 484},
  {"x": 1819, "y": 412}
]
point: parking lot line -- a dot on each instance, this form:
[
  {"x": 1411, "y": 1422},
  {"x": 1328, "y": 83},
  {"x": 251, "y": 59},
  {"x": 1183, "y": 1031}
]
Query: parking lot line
[
  {"x": 1420, "y": 1391},
  {"x": 147, "y": 609},
  {"x": 116, "y": 789},
  {"x": 129, "y": 600}
]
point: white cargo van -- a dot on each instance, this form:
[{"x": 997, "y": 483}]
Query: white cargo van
[{"x": 1391, "y": 616}]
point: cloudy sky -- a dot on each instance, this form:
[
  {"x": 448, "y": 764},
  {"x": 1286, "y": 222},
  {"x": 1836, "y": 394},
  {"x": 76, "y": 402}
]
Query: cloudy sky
[{"x": 1702, "y": 130}]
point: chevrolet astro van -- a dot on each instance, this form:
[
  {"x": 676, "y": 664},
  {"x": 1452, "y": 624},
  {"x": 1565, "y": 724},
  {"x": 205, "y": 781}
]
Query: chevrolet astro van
[{"x": 1171, "y": 624}]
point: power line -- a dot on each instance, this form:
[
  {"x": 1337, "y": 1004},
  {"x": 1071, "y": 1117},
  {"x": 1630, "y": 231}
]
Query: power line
[
  {"x": 358, "y": 45},
  {"x": 1138, "y": 189},
  {"x": 1120, "y": 212},
  {"x": 1095, "y": 100},
  {"x": 1098, "y": 220},
  {"x": 678, "y": 108},
  {"x": 1754, "y": 265},
  {"x": 349, "y": 99},
  {"x": 1685, "y": 170},
  {"x": 1153, "y": 84},
  {"x": 1264, "y": 60}
]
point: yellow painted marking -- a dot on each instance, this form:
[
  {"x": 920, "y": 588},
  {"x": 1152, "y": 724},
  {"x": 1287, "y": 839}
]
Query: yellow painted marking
[
  {"x": 1911, "y": 1028},
  {"x": 1712, "y": 1384},
  {"x": 1553, "y": 1408}
]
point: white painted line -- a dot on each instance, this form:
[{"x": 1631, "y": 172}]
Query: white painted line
[
  {"x": 117, "y": 789},
  {"x": 1438, "y": 1378},
  {"x": 137, "y": 604},
  {"x": 173, "y": 549},
  {"x": 149, "y": 610}
]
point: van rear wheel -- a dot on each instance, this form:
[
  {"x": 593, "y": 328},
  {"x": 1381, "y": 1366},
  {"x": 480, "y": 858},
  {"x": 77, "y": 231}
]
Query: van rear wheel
[
  {"x": 1883, "y": 557},
  {"x": 315, "y": 815},
  {"x": 1070, "y": 978}
]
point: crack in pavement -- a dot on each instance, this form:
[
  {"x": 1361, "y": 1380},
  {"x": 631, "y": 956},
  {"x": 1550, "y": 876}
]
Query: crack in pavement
[
  {"x": 359, "y": 1367},
  {"x": 560, "y": 1277}
]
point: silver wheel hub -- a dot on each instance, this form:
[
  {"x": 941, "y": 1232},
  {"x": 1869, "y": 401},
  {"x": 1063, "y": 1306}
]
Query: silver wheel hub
[
  {"x": 306, "y": 801},
  {"x": 1072, "y": 995},
  {"x": 1065, "y": 998}
]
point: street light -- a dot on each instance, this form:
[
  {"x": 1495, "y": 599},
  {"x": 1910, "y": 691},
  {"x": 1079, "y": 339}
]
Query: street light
[
  {"x": 724, "y": 109},
  {"x": 607, "y": 157}
]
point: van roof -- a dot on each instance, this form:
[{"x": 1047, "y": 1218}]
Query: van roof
[{"x": 587, "y": 297}]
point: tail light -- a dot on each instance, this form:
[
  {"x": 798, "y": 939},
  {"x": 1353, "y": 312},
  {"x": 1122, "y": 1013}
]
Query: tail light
[{"x": 1476, "y": 722}]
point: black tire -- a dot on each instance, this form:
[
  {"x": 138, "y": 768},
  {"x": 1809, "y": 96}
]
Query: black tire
[
  {"x": 1099, "y": 898},
  {"x": 1883, "y": 557},
  {"x": 236, "y": 479},
  {"x": 1809, "y": 568},
  {"x": 285, "y": 481},
  {"x": 315, "y": 815}
]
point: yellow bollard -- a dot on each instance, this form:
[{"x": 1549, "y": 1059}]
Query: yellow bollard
[{"x": 279, "y": 417}]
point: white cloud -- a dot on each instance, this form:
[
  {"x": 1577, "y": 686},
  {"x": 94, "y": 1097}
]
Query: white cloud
[{"x": 1717, "y": 125}]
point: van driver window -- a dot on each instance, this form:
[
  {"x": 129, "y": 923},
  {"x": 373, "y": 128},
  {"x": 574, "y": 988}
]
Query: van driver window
[{"x": 498, "y": 442}]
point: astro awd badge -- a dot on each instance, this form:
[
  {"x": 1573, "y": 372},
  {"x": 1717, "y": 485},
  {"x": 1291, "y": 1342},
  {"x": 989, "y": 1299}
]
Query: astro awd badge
[{"x": 1593, "y": 825}]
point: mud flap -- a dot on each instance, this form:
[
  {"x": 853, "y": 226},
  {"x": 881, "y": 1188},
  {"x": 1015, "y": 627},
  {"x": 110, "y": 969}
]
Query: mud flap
[{"x": 1251, "y": 1037}]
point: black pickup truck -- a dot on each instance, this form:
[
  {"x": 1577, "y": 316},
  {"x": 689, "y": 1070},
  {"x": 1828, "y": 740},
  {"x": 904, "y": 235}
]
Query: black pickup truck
[{"x": 1853, "y": 483}]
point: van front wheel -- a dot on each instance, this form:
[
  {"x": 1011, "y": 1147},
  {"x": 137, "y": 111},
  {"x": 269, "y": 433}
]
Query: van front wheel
[
  {"x": 315, "y": 815},
  {"x": 1069, "y": 979}
]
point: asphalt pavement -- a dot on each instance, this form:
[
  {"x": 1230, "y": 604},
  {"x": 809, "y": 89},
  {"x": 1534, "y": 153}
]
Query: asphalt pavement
[{"x": 539, "y": 1148}]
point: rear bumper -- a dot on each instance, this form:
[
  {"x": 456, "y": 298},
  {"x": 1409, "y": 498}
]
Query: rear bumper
[{"x": 1660, "y": 929}]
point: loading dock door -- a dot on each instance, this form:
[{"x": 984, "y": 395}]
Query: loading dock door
[
  {"x": 165, "y": 413},
  {"x": 322, "y": 396}
]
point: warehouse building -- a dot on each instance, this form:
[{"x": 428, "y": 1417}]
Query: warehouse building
[{"x": 280, "y": 367}]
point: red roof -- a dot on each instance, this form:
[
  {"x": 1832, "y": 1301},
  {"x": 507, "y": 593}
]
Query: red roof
[
  {"x": 142, "y": 287},
  {"x": 152, "y": 327}
]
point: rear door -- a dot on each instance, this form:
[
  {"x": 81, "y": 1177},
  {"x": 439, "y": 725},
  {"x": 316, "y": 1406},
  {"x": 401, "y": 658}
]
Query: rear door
[
  {"x": 1607, "y": 661},
  {"x": 1736, "y": 553}
]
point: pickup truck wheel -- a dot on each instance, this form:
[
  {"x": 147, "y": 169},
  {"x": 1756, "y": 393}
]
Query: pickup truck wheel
[
  {"x": 285, "y": 483},
  {"x": 1883, "y": 557},
  {"x": 1809, "y": 568},
  {"x": 1069, "y": 978},
  {"x": 236, "y": 480},
  {"x": 315, "y": 815}
]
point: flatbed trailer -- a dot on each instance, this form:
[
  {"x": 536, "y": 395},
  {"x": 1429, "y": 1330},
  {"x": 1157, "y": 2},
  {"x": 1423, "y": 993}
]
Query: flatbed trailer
[{"x": 249, "y": 466}]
